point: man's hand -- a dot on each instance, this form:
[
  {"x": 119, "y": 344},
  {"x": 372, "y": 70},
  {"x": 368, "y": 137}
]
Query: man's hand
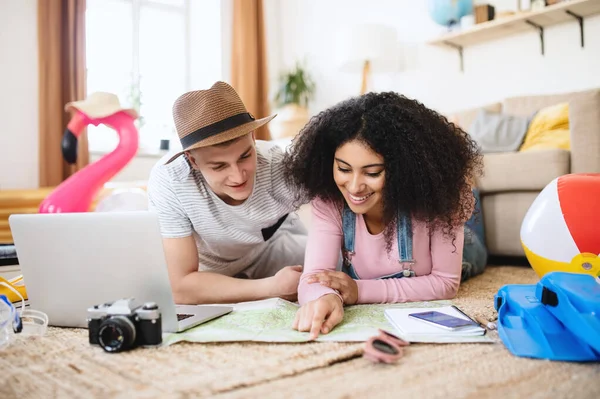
[
  {"x": 284, "y": 284},
  {"x": 320, "y": 315},
  {"x": 339, "y": 281}
]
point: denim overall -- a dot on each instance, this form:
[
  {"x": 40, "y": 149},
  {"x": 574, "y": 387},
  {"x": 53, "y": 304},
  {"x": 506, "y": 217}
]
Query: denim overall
[
  {"x": 405, "y": 247},
  {"x": 474, "y": 252}
]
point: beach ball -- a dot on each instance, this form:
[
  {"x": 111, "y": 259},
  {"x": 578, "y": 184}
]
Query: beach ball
[
  {"x": 561, "y": 230},
  {"x": 120, "y": 200}
]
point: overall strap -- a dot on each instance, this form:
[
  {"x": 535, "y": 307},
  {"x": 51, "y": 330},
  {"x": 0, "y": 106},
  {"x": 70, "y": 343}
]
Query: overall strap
[
  {"x": 405, "y": 244},
  {"x": 349, "y": 230}
]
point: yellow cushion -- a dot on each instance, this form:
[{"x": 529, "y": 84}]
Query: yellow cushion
[{"x": 549, "y": 129}]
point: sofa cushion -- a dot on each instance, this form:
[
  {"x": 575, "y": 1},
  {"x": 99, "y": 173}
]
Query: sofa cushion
[
  {"x": 522, "y": 171},
  {"x": 549, "y": 129},
  {"x": 465, "y": 118},
  {"x": 498, "y": 132}
]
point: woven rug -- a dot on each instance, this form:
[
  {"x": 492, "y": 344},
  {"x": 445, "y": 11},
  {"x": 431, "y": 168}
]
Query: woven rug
[{"x": 62, "y": 364}]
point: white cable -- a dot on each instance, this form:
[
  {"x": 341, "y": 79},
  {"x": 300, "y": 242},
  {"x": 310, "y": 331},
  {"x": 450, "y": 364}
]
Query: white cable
[
  {"x": 10, "y": 287},
  {"x": 29, "y": 313}
]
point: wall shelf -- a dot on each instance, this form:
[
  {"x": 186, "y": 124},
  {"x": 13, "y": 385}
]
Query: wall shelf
[{"x": 566, "y": 11}]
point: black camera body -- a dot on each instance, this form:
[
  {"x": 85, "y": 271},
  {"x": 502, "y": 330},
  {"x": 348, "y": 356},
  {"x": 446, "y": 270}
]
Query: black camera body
[{"x": 124, "y": 324}]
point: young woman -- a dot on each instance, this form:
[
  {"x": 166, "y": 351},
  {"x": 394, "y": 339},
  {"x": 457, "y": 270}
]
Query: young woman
[{"x": 389, "y": 181}]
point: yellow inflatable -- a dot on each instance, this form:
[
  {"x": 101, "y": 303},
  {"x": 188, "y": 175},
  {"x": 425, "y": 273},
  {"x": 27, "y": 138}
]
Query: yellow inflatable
[
  {"x": 561, "y": 230},
  {"x": 17, "y": 284}
]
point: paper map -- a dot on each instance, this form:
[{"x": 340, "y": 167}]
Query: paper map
[{"x": 271, "y": 321}]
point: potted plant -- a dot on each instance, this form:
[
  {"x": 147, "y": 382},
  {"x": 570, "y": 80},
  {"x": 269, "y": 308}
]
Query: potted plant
[{"x": 294, "y": 91}]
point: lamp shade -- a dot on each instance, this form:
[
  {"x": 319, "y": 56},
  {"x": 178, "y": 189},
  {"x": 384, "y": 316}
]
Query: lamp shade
[{"x": 377, "y": 44}]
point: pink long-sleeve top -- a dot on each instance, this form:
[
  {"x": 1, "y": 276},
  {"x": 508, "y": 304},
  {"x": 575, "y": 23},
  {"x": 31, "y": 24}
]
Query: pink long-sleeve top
[{"x": 437, "y": 268}]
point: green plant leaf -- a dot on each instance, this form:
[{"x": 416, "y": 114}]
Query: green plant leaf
[{"x": 295, "y": 87}]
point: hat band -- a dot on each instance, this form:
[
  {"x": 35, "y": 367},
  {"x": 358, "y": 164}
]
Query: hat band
[{"x": 215, "y": 128}]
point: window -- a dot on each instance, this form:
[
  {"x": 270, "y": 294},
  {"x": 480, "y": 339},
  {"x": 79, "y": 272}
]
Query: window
[{"x": 148, "y": 53}]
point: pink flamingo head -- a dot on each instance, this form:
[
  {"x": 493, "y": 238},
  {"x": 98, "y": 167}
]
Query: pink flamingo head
[
  {"x": 69, "y": 141},
  {"x": 76, "y": 193},
  {"x": 97, "y": 108}
]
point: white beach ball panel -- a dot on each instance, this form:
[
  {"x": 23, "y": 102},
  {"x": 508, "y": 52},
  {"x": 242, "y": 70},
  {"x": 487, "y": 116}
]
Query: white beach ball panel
[{"x": 544, "y": 230}]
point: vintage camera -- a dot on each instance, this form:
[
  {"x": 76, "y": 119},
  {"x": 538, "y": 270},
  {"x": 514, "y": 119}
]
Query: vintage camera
[{"x": 124, "y": 324}]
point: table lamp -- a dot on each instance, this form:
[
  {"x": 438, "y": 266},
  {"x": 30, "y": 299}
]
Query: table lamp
[{"x": 370, "y": 48}]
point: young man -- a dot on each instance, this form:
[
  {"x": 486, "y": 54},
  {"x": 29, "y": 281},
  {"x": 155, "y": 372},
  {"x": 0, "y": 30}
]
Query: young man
[{"x": 226, "y": 214}]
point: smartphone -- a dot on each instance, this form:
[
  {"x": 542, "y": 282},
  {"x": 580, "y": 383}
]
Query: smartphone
[{"x": 442, "y": 320}]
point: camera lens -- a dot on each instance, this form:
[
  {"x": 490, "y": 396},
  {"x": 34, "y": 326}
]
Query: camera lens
[{"x": 116, "y": 334}]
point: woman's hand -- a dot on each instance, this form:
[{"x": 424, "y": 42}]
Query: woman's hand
[
  {"x": 339, "y": 281},
  {"x": 320, "y": 315}
]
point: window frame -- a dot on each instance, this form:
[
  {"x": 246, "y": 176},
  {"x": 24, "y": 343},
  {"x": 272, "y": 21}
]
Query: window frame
[{"x": 136, "y": 6}]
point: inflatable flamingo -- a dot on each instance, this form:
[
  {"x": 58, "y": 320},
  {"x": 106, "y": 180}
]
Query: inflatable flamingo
[{"x": 77, "y": 192}]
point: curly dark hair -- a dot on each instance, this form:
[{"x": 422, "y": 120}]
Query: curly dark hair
[{"x": 430, "y": 163}]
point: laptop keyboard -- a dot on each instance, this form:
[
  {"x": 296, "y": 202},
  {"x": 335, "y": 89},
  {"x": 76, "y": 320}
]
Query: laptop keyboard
[{"x": 183, "y": 316}]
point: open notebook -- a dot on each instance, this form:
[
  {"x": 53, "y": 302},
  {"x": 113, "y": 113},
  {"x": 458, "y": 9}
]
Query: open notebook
[{"x": 419, "y": 331}]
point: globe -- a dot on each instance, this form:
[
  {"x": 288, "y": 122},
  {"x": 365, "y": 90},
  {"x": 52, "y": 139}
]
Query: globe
[{"x": 449, "y": 12}]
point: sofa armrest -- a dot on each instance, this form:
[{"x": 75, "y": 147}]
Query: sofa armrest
[{"x": 584, "y": 123}]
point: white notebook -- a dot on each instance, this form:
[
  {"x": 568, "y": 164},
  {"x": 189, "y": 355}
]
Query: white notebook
[{"x": 414, "y": 330}]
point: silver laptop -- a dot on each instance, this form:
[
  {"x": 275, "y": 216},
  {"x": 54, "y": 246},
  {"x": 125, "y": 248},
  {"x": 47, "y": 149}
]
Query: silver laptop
[{"x": 73, "y": 261}]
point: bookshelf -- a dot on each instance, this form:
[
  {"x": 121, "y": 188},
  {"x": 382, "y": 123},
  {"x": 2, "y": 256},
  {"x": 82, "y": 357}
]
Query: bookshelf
[{"x": 566, "y": 11}]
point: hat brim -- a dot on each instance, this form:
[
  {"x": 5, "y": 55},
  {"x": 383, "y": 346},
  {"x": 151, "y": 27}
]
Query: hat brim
[
  {"x": 99, "y": 110},
  {"x": 226, "y": 135}
]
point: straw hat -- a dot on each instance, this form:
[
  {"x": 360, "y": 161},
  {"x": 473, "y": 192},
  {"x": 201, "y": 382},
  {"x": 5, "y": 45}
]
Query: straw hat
[
  {"x": 99, "y": 105},
  {"x": 208, "y": 117}
]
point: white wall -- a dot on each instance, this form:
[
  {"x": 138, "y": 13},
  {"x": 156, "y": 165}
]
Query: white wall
[
  {"x": 314, "y": 30},
  {"x": 317, "y": 30},
  {"x": 18, "y": 94}
]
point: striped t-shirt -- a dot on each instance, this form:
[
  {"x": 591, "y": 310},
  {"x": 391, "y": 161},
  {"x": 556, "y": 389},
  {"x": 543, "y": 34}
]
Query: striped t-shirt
[{"x": 229, "y": 238}]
